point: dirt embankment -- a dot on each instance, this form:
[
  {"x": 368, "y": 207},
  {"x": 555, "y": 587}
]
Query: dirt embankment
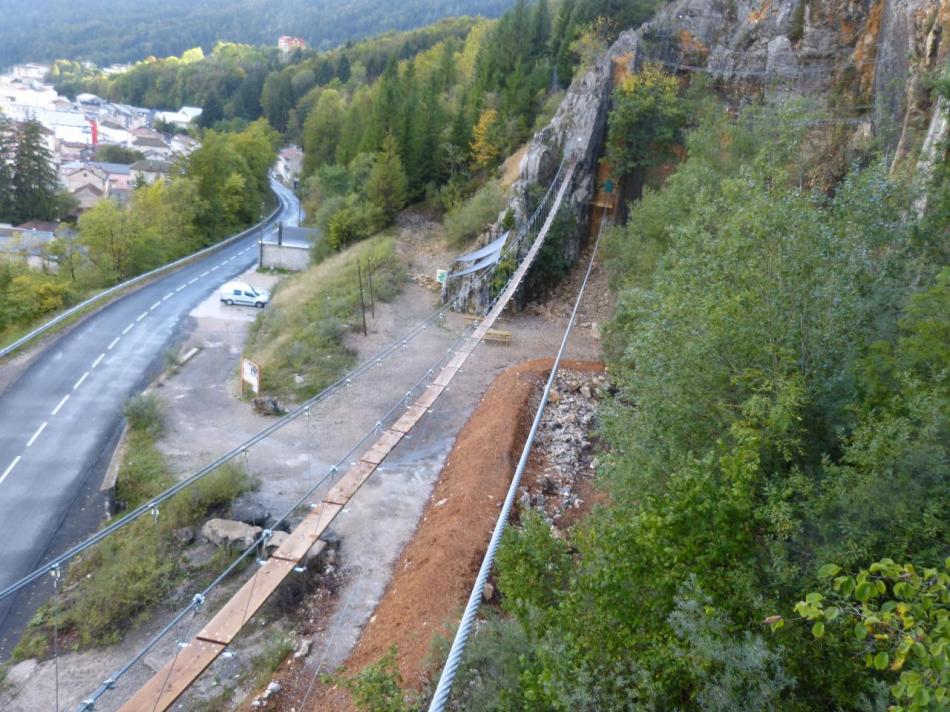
[{"x": 436, "y": 569}]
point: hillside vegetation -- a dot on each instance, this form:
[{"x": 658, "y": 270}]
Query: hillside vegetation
[
  {"x": 781, "y": 425},
  {"x": 302, "y": 332},
  {"x": 106, "y": 31}
]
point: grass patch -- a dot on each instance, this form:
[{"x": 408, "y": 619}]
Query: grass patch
[
  {"x": 266, "y": 662},
  {"x": 464, "y": 223},
  {"x": 302, "y": 331},
  {"x": 119, "y": 582},
  {"x": 145, "y": 413}
]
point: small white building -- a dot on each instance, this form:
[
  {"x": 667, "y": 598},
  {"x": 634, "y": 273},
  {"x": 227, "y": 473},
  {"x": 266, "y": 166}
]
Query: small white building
[{"x": 289, "y": 165}]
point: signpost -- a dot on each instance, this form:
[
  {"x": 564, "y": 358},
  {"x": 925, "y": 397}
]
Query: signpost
[
  {"x": 250, "y": 374},
  {"x": 441, "y": 275}
]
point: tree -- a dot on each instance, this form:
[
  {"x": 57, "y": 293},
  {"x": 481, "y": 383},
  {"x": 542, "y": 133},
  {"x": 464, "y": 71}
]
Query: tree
[
  {"x": 323, "y": 129},
  {"x": 896, "y": 617},
  {"x": 646, "y": 120},
  {"x": 7, "y": 154},
  {"x": 387, "y": 184},
  {"x": 112, "y": 153},
  {"x": 485, "y": 148},
  {"x": 35, "y": 185}
]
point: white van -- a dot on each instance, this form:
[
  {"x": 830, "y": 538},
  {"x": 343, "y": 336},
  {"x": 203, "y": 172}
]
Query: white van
[{"x": 241, "y": 293}]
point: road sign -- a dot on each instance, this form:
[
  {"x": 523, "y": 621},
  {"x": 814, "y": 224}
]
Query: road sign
[
  {"x": 441, "y": 275},
  {"x": 250, "y": 374}
]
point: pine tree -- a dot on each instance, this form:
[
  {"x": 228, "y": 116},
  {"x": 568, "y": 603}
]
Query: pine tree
[
  {"x": 387, "y": 184},
  {"x": 35, "y": 185},
  {"x": 7, "y": 154}
]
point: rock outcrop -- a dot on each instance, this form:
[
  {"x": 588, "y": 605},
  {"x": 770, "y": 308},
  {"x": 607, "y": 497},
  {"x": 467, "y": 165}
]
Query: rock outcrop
[{"x": 860, "y": 66}]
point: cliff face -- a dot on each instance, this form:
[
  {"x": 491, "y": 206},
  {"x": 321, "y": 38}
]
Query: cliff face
[{"x": 861, "y": 63}]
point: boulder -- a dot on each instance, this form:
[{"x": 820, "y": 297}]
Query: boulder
[
  {"x": 227, "y": 532},
  {"x": 243, "y": 510},
  {"x": 267, "y": 405},
  {"x": 275, "y": 541}
]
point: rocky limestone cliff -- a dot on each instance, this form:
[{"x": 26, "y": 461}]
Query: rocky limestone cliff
[{"x": 861, "y": 64}]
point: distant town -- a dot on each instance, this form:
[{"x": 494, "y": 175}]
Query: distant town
[{"x": 150, "y": 141}]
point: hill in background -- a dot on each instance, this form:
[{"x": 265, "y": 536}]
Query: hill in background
[{"x": 106, "y": 31}]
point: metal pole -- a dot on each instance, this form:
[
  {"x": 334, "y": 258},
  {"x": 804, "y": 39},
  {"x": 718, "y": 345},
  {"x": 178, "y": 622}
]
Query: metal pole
[
  {"x": 359, "y": 275},
  {"x": 369, "y": 275}
]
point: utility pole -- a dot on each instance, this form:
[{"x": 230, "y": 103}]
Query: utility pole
[
  {"x": 372, "y": 299},
  {"x": 359, "y": 275}
]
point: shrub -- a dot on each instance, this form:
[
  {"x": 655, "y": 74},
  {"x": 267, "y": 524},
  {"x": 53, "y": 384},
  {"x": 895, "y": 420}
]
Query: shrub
[
  {"x": 467, "y": 221},
  {"x": 378, "y": 688},
  {"x": 145, "y": 413}
]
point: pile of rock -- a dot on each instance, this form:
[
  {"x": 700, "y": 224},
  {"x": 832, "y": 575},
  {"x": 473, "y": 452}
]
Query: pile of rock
[{"x": 563, "y": 445}]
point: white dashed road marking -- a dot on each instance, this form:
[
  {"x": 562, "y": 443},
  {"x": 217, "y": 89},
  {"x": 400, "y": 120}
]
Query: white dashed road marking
[
  {"x": 181, "y": 287},
  {"x": 192, "y": 281},
  {"x": 128, "y": 328},
  {"x": 99, "y": 360},
  {"x": 81, "y": 379},
  {"x": 37, "y": 433},
  {"x": 155, "y": 305},
  {"x": 9, "y": 469},
  {"x": 142, "y": 316},
  {"x": 114, "y": 342},
  {"x": 61, "y": 404},
  {"x": 206, "y": 273}
]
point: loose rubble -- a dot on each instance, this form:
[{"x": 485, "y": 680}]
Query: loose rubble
[{"x": 563, "y": 449}]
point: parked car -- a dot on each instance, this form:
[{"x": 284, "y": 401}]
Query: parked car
[{"x": 244, "y": 294}]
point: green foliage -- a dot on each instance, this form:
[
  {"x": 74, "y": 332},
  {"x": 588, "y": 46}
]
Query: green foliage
[
  {"x": 29, "y": 186},
  {"x": 145, "y": 412},
  {"x": 106, "y": 31},
  {"x": 645, "y": 121},
  {"x": 378, "y": 687},
  {"x": 113, "y": 153},
  {"x": 386, "y": 186},
  {"x": 302, "y": 331},
  {"x": 896, "y": 617},
  {"x": 465, "y": 222},
  {"x": 533, "y": 567},
  {"x": 121, "y": 580},
  {"x": 266, "y": 662},
  {"x": 781, "y": 362}
]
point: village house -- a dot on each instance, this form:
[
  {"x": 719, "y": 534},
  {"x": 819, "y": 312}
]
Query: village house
[
  {"x": 289, "y": 165},
  {"x": 149, "y": 171}
]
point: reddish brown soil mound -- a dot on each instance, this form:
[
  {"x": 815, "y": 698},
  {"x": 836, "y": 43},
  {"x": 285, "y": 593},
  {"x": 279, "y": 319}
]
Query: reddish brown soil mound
[{"x": 435, "y": 573}]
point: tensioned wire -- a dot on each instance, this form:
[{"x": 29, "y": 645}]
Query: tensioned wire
[
  {"x": 151, "y": 505},
  {"x": 454, "y": 659},
  {"x": 198, "y": 599},
  {"x": 89, "y": 703}
]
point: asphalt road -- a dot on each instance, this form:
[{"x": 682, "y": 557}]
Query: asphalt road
[{"x": 60, "y": 420}]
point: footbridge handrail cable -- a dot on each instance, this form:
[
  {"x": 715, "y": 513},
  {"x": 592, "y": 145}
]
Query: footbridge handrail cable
[
  {"x": 89, "y": 703},
  {"x": 302, "y": 409},
  {"x": 471, "y": 332},
  {"x": 150, "y": 505}
]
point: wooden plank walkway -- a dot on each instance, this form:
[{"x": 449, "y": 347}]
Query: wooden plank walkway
[{"x": 169, "y": 683}]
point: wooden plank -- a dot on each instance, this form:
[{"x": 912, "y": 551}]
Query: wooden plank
[
  {"x": 307, "y": 532},
  {"x": 499, "y": 336},
  {"x": 351, "y": 481},
  {"x": 445, "y": 376},
  {"x": 473, "y": 318},
  {"x": 409, "y": 418},
  {"x": 243, "y": 604},
  {"x": 457, "y": 360},
  {"x": 382, "y": 447},
  {"x": 429, "y": 396},
  {"x": 167, "y": 685}
]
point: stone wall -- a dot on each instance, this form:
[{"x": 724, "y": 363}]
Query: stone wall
[{"x": 289, "y": 257}]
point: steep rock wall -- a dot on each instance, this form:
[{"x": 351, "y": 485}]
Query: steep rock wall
[{"x": 860, "y": 63}]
